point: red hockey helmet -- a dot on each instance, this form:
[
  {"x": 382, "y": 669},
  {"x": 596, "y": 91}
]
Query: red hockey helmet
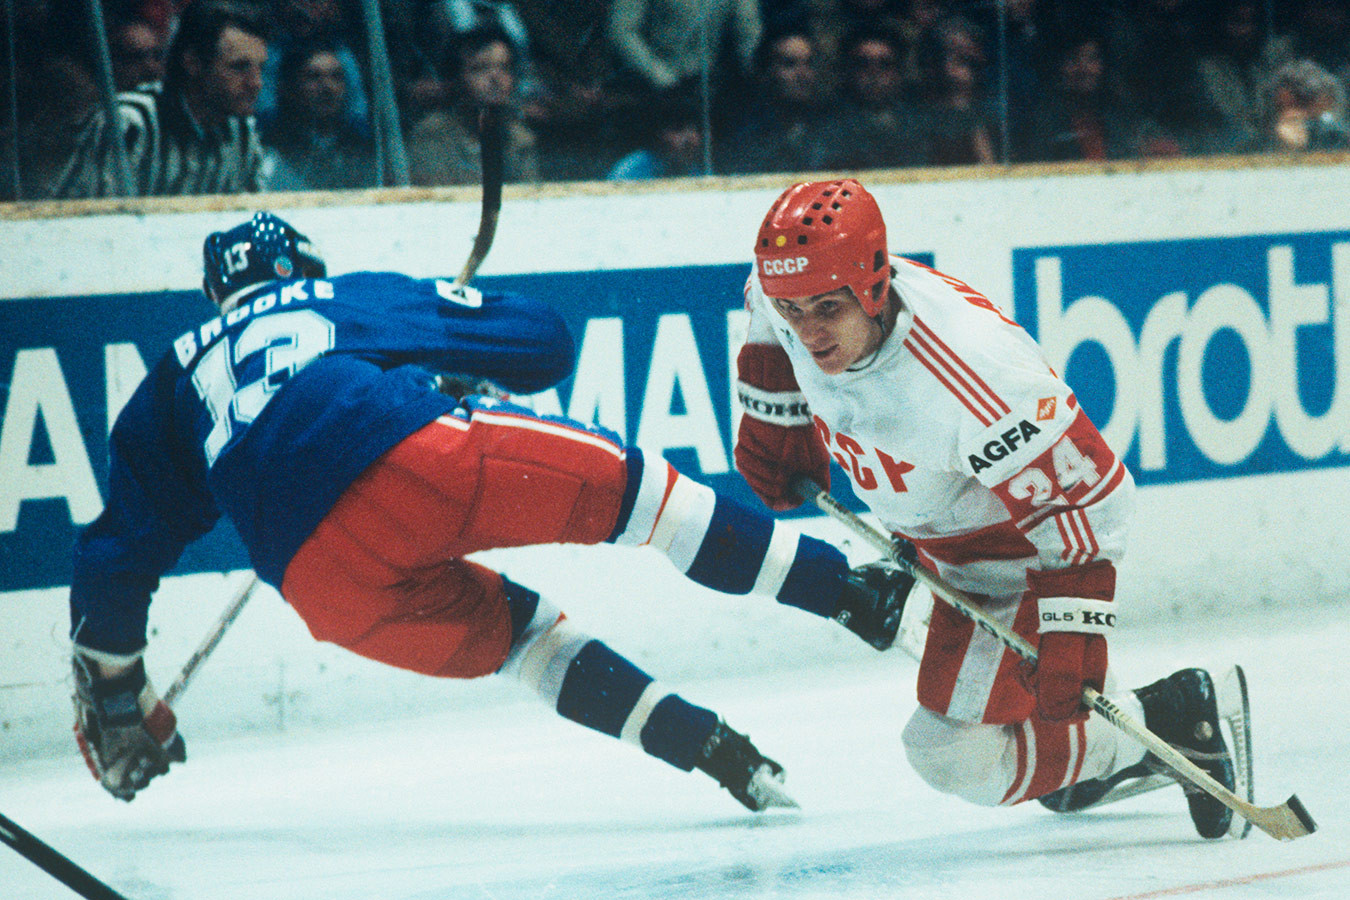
[{"x": 824, "y": 235}]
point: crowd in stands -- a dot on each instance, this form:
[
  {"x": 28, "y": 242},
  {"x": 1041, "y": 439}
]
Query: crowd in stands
[{"x": 220, "y": 96}]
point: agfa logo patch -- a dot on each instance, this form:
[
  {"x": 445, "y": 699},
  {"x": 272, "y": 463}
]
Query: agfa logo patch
[
  {"x": 1045, "y": 409},
  {"x": 1002, "y": 445}
]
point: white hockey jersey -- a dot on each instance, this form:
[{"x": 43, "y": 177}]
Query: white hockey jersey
[{"x": 959, "y": 436}]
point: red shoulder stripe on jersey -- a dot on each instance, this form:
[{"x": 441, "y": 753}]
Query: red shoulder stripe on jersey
[
  {"x": 954, "y": 379},
  {"x": 955, "y": 375},
  {"x": 978, "y": 414},
  {"x": 1001, "y": 407}
]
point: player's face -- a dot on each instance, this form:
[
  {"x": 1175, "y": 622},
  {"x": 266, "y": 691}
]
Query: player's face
[{"x": 832, "y": 327}]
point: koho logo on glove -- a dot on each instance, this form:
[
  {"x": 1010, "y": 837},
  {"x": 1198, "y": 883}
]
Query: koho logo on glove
[
  {"x": 1085, "y": 617},
  {"x": 1081, "y": 614}
]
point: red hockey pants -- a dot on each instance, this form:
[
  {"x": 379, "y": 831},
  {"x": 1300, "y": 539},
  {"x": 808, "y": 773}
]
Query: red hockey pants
[{"x": 383, "y": 574}]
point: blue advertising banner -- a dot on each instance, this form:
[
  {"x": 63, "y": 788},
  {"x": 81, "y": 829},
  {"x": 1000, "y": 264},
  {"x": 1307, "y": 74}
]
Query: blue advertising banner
[
  {"x": 656, "y": 353},
  {"x": 1205, "y": 358}
]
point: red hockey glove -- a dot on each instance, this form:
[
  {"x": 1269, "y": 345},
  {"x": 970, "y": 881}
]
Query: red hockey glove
[
  {"x": 126, "y": 733},
  {"x": 777, "y": 439},
  {"x": 1072, "y": 653}
]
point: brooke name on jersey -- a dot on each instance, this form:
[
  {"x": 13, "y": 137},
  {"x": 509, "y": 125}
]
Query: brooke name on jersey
[{"x": 190, "y": 344}]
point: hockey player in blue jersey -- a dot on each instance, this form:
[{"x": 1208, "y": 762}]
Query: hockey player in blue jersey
[{"x": 309, "y": 414}]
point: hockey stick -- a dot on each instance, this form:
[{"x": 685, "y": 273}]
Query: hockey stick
[
  {"x": 1285, "y": 822},
  {"x": 209, "y": 643},
  {"x": 54, "y": 863},
  {"x": 491, "y": 150}
]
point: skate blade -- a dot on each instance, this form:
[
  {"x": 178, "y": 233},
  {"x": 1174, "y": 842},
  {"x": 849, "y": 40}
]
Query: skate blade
[
  {"x": 1230, "y": 694},
  {"x": 766, "y": 789}
]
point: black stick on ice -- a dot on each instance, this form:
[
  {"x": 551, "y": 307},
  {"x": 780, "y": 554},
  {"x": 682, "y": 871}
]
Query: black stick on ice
[{"x": 55, "y": 863}]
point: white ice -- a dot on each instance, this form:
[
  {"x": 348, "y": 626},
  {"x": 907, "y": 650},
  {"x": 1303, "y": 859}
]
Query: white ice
[{"x": 505, "y": 800}]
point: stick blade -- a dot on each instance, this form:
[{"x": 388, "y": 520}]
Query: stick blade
[
  {"x": 1285, "y": 822},
  {"x": 1301, "y": 812}
]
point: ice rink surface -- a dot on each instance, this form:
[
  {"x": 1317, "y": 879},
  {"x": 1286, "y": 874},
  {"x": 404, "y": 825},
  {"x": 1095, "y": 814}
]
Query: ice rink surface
[{"x": 505, "y": 800}]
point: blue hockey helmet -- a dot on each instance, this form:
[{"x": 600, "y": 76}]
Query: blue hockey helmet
[{"x": 263, "y": 249}]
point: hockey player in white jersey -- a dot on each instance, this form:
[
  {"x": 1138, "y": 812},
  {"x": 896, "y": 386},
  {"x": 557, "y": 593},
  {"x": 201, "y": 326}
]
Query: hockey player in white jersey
[{"x": 957, "y": 434}]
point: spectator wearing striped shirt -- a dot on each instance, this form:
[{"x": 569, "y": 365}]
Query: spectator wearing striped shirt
[{"x": 195, "y": 134}]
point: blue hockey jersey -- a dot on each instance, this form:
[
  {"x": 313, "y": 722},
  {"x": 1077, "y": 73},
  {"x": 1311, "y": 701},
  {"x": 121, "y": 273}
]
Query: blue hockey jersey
[{"x": 267, "y": 414}]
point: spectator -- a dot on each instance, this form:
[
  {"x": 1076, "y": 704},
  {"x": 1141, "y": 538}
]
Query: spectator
[
  {"x": 660, "y": 43},
  {"x": 51, "y": 124},
  {"x": 1239, "y": 60},
  {"x": 1304, "y": 109},
  {"x": 443, "y": 146},
  {"x": 578, "y": 117},
  {"x": 195, "y": 134},
  {"x": 876, "y": 127},
  {"x": 781, "y": 130},
  {"x": 1083, "y": 117},
  {"x": 137, "y": 50},
  {"x": 58, "y": 125},
  {"x": 1321, "y": 33},
  {"x": 918, "y": 18},
  {"x": 1156, "y": 44},
  {"x": 297, "y": 22},
  {"x": 841, "y": 18},
  {"x": 674, "y": 148},
  {"x": 315, "y": 141},
  {"x": 1017, "y": 58},
  {"x": 456, "y": 17},
  {"x": 960, "y": 125}
]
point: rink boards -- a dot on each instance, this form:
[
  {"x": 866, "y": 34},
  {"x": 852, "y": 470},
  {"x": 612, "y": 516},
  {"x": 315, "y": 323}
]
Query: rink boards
[{"x": 1198, "y": 312}]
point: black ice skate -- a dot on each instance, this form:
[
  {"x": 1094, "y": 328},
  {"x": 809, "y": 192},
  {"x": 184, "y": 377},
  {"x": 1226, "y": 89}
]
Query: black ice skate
[
  {"x": 736, "y": 765},
  {"x": 873, "y": 602},
  {"x": 1187, "y": 711}
]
